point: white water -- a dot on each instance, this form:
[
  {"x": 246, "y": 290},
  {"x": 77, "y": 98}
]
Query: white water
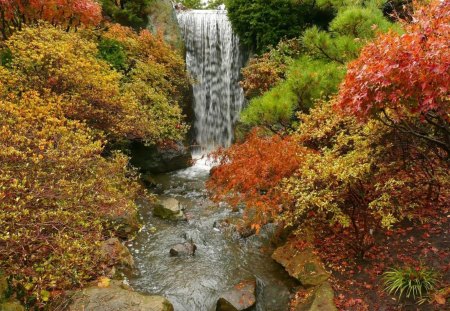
[{"x": 214, "y": 60}]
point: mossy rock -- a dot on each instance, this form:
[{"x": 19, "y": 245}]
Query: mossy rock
[
  {"x": 303, "y": 265},
  {"x": 168, "y": 209}
]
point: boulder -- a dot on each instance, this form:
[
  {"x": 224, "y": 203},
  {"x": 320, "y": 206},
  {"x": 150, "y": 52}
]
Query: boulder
[
  {"x": 322, "y": 299},
  {"x": 241, "y": 297},
  {"x": 184, "y": 249},
  {"x": 127, "y": 225},
  {"x": 116, "y": 298},
  {"x": 303, "y": 265},
  {"x": 168, "y": 209},
  {"x": 117, "y": 253},
  {"x": 158, "y": 159}
]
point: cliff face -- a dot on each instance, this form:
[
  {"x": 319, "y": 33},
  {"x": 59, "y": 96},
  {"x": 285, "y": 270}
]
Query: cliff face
[{"x": 162, "y": 18}]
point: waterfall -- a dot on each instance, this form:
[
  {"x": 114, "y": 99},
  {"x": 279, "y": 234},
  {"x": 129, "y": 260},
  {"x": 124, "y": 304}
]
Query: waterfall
[{"x": 214, "y": 59}]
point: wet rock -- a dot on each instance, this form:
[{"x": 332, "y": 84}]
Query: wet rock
[
  {"x": 126, "y": 226},
  {"x": 117, "y": 253},
  {"x": 322, "y": 299},
  {"x": 303, "y": 265},
  {"x": 154, "y": 159},
  {"x": 184, "y": 249},
  {"x": 169, "y": 209},
  {"x": 116, "y": 298},
  {"x": 241, "y": 297}
]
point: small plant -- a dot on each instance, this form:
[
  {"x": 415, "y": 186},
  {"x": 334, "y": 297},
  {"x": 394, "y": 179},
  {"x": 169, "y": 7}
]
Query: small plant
[{"x": 413, "y": 282}]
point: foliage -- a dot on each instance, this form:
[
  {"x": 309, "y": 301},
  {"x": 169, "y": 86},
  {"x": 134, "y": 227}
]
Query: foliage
[
  {"x": 363, "y": 176},
  {"x": 113, "y": 53},
  {"x": 265, "y": 71},
  {"x": 192, "y": 4},
  {"x": 48, "y": 59},
  {"x": 406, "y": 76},
  {"x": 414, "y": 282},
  {"x": 131, "y": 13},
  {"x": 56, "y": 192},
  {"x": 248, "y": 173},
  {"x": 314, "y": 74},
  {"x": 67, "y": 13},
  {"x": 261, "y": 24}
]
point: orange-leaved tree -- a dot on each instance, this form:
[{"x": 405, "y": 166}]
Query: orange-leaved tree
[
  {"x": 68, "y": 13},
  {"x": 405, "y": 79},
  {"x": 249, "y": 173}
]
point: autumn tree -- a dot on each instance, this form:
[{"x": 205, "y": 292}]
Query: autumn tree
[
  {"x": 67, "y": 13},
  {"x": 56, "y": 195},
  {"x": 248, "y": 174},
  {"x": 404, "y": 80},
  {"x": 47, "y": 59}
]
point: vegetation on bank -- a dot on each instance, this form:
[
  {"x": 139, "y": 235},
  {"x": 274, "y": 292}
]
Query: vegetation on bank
[
  {"x": 68, "y": 90},
  {"x": 349, "y": 141}
]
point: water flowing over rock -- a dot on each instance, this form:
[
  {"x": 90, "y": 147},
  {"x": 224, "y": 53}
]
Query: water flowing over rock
[{"x": 214, "y": 59}]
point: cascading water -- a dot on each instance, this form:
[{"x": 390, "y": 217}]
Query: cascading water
[
  {"x": 214, "y": 59},
  {"x": 222, "y": 259}
]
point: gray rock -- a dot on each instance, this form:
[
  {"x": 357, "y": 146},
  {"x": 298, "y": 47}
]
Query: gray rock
[
  {"x": 116, "y": 298},
  {"x": 241, "y": 297},
  {"x": 303, "y": 265},
  {"x": 162, "y": 19},
  {"x": 168, "y": 209},
  {"x": 184, "y": 249}
]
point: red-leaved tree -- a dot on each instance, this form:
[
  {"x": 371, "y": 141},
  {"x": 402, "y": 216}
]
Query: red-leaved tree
[
  {"x": 69, "y": 13},
  {"x": 404, "y": 79},
  {"x": 249, "y": 173}
]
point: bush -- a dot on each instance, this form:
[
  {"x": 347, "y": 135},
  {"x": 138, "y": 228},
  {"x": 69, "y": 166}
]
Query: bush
[
  {"x": 56, "y": 194},
  {"x": 113, "y": 53},
  {"x": 413, "y": 282}
]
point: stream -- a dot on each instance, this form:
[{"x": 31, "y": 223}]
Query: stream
[{"x": 222, "y": 259}]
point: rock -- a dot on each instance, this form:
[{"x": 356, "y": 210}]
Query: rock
[
  {"x": 168, "y": 209},
  {"x": 184, "y": 249},
  {"x": 303, "y": 265},
  {"x": 241, "y": 297},
  {"x": 322, "y": 299},
  {"x": 11, "y": 306},
  {"x": 116, "y": 298},
  {"x": 126, "y": 226},
  {"x": 162, "y": 18},
  {"x": 155, "y": 159},
  {"x": 117, "y": 253}
]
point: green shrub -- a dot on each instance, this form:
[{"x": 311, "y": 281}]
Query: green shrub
[
  {"x": 113, "y": 53},
  {"x": 413, "y": 282}
]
